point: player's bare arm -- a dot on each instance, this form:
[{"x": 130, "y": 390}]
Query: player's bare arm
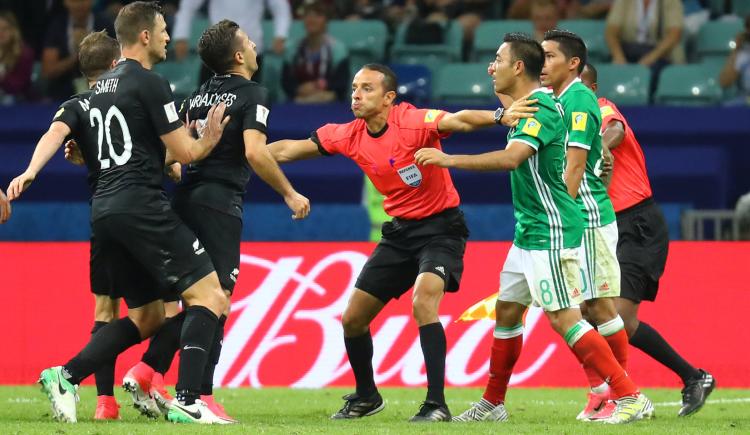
[
  {"x": 263, "y": 163},
  {"x": 47, "y": 146},
  {"x": 612, "y": 137},
  {"x": 504, "y": 160},
  {"x": 185, "y": 149},
  {"x": 4, "y": 208},
  {"x": 288, "y": 150},
  {"x": 575, "y": 166}
]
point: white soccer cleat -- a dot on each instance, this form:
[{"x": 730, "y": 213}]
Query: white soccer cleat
[
  {"x": 63, "y": 395},
  {"x": 629, "y": 409},
  {"x": 483, "y": 411},
  {"x": 197, "y": 413}
]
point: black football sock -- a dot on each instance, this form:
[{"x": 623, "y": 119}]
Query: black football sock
[
  {"x": 432, "y": 339},
  {"x": 654, "y": 345},
  {"x": 207, "y": 385},
  {"x": 359, "y": 350},
  {"x": 164, "y": 344},
  {"x": 104, "y": 346},
  {"x": 196, "y": 339},
  {"x": 104, "y": 375}
]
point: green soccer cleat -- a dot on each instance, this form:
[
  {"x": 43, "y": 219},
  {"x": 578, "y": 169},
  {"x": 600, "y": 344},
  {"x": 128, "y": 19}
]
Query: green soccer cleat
[
  {"x": 63, "y": 395},
  {"x": 197, "y": 413}
]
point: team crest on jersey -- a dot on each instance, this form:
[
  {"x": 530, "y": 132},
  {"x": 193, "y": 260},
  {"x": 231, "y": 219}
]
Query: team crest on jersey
[
  {"x": 411, "y": 175},
  {"x": 579, "y": 121},
  {"x": 532, "y": 127}
]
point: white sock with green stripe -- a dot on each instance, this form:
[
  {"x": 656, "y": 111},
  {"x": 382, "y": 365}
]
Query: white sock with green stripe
[
  {"x": 612, "y": 327},
  {"x": 576, "y": 332},
  {"x": 504, "y": 333}
]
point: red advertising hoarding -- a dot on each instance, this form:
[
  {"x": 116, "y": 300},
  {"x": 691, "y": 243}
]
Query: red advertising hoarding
[{"x": 285, "y": 328}]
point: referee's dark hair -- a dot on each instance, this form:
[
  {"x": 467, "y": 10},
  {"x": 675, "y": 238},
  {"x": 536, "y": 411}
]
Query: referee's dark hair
[
  {"x": 527, "y": 50},
  {"x": 96, "y": 53},
  {"x": 135, "y": 18},
  {"x": 390, "y": 82},
  {"x": 592, "y": 72},
  {"x": 218, "y": 44},
  {"x": 571, "y": 45}
]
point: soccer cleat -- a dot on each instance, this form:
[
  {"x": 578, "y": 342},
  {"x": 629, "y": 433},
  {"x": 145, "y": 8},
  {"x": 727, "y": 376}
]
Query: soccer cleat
[
  {"x": 631, "y": 408},
  {"x": 356, "y": 407},
  {"x": 137, "y": 382},
  {"x": 62, "y": 394},
  {"x": 483, "y": 411},
  {"x": 107, "y": 408},
  {"x": 431, "y": 412},
  {"x": 605, "y": 412},
  {"x": 197, "y": 413},
  {"x": 160, "y": 394},
  {"x": 596, "y": 401},
  {"x": 696, "y": 392},
  {"x": 217, "y": 408}
]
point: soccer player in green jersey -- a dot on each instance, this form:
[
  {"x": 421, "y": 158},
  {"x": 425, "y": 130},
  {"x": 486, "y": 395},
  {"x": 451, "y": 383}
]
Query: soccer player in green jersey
[
  {"x": 565, "y": 56},
  {"x": 542, "y": 266}
]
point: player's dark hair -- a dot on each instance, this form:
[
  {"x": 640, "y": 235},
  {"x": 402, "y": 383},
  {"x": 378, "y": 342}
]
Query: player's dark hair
[
  {"x": 571, "y": 45},
  {"x": 592, "y": 72},
  {"x": 218, "y": 44},
  {"x": 96, "y": 53},
  {"x": 135, "y": 18},
  {"x": 524, "y": 48},
  {"x": 390, "y": 82}
]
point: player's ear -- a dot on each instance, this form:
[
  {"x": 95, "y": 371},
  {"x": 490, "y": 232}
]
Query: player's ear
[
  {"x": 239, "y": 58},
  {"x": 144, "y": 37}
]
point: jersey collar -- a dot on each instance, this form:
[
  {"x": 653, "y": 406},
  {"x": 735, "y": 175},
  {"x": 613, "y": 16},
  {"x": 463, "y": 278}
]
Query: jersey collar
[{"x": 575, "y": 80}]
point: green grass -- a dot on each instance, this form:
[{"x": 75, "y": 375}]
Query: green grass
[{"x": 24, "y": 410}]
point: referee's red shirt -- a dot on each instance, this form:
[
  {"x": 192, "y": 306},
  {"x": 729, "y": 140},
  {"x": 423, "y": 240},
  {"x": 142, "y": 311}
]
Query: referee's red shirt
[
  {"x": 630, "y": 183},
  {"x": 411, "y": 191}
]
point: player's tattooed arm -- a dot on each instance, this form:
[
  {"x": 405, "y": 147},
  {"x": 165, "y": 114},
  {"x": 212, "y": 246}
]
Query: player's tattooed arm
[
  {"x": 503, "y": 160},
  {"x": 47, "y": 146}
]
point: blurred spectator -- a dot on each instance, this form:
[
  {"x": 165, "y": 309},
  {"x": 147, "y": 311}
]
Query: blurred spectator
[
  {"x": 361, "y": 9},
  {"x": 318, "y": 71},
  {"x": 60, "y": 52},
  {"x": 568, "y": 9},
  {"x": 32, "y": 15},
  {"x": 736, "y": 71},
  {"x": 248, "y": 14},
  {"x": 16, "y": 61},
  {"x": 545, "y": 15},
  {"x": 112, "y": 8},
  {"x": 646, "y": 32}
]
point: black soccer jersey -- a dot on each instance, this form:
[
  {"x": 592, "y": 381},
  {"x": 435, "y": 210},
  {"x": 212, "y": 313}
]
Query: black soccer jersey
[
  {"x": 75, "y": 114},
  {"x": 219, "y": 180},
  {"x": 130, "y": 108}
]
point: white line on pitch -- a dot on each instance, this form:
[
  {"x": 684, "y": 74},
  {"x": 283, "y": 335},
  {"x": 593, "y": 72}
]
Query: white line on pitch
[{"x": 710, "y": 401}]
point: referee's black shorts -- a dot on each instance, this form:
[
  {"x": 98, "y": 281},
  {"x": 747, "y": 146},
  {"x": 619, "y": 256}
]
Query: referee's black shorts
[
  {"x": 148, "y": 256},
  {"x": 409, "y": 247},
  {"x": 642, "y": 250}
]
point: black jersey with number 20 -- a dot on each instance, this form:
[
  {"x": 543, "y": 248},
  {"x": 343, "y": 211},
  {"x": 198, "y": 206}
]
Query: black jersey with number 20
[{"x": 130, "y": 108}]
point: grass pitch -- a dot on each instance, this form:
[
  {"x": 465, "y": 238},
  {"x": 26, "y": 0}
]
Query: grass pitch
[{"x": 24, "y": 410}]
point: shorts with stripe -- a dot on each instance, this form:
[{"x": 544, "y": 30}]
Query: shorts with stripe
[
  {"x": 549, "y": 279},
  {"x": 600, "y": 270}
]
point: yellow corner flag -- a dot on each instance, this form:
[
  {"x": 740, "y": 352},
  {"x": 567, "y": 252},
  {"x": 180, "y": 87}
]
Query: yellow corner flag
[{"x": 484, "y": 309}]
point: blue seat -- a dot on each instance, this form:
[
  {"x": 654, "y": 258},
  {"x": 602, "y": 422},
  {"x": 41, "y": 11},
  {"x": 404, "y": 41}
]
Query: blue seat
[
  {"x": 688, "y": 85},
  {"x": 489, "y": 35},
  {"x": 592, "y": 33},
  {"x": 365, "y": 40},
  {"x": 716, "y": 39},
  {"x": 414, "y": 83},
  {"x": 183, "y": 76},
  {"x": 464, "y": 83},
  {"x": 430, "y": 55},
  {"x": 625, "y": 85}
]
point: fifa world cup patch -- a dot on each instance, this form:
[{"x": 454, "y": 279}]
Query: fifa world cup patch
[
  {"x": 532, "y": 127},
  {"x": 431, "y": 115},
  {"x": 579, "y": 121},
  {"x": 171, "y": 112},
  {"x": 607, "y": 111},
  {"x": 261, "y": 115},
  {"x": 58, "y": 113}
]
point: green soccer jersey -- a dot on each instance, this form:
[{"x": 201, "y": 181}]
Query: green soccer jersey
[
  {"x": 584, "y": 121},
  {"x": 546, "y": 216}
]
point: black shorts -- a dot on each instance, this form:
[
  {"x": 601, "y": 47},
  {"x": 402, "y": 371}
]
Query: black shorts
[
  {"x": 98, "y": 277},
  {"x": 642, "y": 250},
  {"x": 147, "y": 257},
  {"x": 409, "y": 247},
  {"x": 220, "y": 234}
]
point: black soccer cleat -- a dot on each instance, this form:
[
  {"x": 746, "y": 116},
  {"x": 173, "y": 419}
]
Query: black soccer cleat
[
  {"x": 357, "y": 407},
  {"x": 696, "y": 392},
  {"x": 430, "y": 412}
]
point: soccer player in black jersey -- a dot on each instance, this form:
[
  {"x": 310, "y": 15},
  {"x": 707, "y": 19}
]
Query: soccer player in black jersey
[
  {"x": 4, "y": 208},
  {"x": 97, "y": 54},
  {"x": 209, "y": 198},
  {"x": 145, "y": 248}
]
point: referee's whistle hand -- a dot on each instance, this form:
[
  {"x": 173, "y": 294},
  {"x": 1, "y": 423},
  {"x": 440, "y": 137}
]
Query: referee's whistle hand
[{"x": 431, "y": 156}]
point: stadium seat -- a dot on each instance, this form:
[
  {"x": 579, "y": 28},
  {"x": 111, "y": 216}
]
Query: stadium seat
[
  {"x": 365, "y": 40},
  {"x": 693, "y": 85},
  {"x": 464, "y": 83},
  {"x": 592, "y": 32},
  {"x": 182, "y": 76},
  {"x": 270, "y": 73},
  {"x": 429, "y": 55},
  {"x": 489, "y": 36},
  {"x": 741, "y": 8},
  {"x": 716, "y": 39},
  {"x": 199, "y": 25},
  {"x": 625, "y": 85},
  {"x": 414, "y": 83}
]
